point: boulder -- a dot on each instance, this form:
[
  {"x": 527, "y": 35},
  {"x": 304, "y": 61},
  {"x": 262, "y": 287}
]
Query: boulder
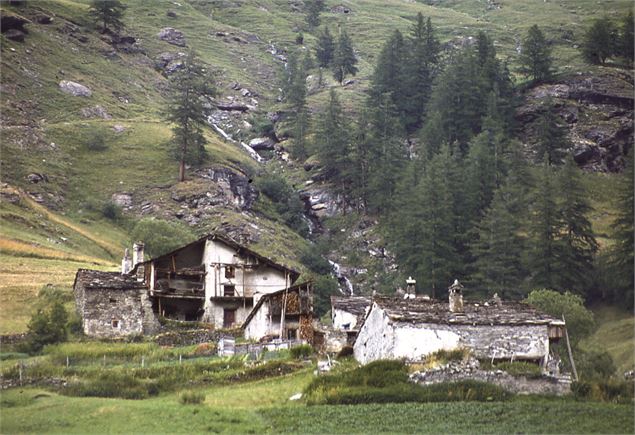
[
  {"x": 12, "y": 22},
  {"x": 75, "y": 89},
  {"x": 262, "y": 143},
  {"x": 95, "y": 112},
  {"x": 15, "y": 35},
  {"x": 172, "y": 36},
  {"x": 171, "y": 14},
  {"x": 35, "y": 178},
  {"x": 122, "y": 199},
  {"x": 340, "y": 9},
  {"x": 43, "y": 19},
  {"x": 118, "y": 128}
]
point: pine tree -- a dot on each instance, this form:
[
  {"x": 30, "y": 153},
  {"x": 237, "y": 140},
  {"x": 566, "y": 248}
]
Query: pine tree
[
  {"x": 344, "y": 59},
  {"x": 325, "y": 48},
  {"x": 108, "y": 14},
  {"x": 621, "y": 253},
  {"x": 332, "y": 142},
  {"x": 599, "y": 41},
  {"x": 186, "y": 110},
  {"x": 359, "y": 171},
  {"x": 420, "y": 70},
  {"x": 535, "y": 58},
  {"x": 552, "y": 138},
  {"x": 544, "y": 246},
  {"x": 578, "y": 241}
]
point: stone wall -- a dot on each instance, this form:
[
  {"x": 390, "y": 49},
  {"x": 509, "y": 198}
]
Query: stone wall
[
  {"x": 113, "y": 313},
  {"x": 557, "y": 385}
]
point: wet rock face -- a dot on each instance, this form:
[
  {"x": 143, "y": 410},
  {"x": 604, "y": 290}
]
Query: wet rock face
[
  {"x": 235, "y": 188},
  {"x": 596, "y": 109}
]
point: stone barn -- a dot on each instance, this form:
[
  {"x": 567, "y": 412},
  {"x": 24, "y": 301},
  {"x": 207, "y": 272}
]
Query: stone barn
[
  {"x": 286, "y": 313},
  {"x": 347, "y": 314},
  {"x": 413, "y": 328},
  {"x": 113, "y": 305}
]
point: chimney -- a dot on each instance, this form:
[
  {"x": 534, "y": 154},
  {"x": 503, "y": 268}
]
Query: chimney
[
  {"x": 126, "y": 263},
  {"x": 455, "y": 293},
  {"x": 137, "y": 253},
  {"x": 410, "y": 288},
  {"x": 137, "y": 257}
]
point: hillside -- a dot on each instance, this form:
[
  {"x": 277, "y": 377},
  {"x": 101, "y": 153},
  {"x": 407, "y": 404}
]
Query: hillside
[{"x": 66, "y": 156}]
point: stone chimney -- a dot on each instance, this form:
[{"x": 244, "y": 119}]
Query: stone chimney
[
  {"x": 137, "y": 257},
  {"x": 455, "y": 293},
  {"x": 126, "y": 263},
  {"x": 410, "y": 288},
  {"x": 137, "y": 253}
]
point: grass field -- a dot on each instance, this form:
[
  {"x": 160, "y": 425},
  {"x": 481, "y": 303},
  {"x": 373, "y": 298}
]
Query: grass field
[{"x": 263, "y": 407}]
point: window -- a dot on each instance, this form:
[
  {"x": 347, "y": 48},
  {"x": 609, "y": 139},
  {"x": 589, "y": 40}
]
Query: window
[
  {"x": 229, "y": 290},
  {"x": 292, "y": 334},
  {"x": 115, "y": 323},
  {"x": 230, "y": 272},
  {"x": 113, "y": 301}
]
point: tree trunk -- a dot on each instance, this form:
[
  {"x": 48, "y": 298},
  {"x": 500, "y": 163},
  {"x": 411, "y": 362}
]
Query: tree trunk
[{"x": 182, "y": 170}]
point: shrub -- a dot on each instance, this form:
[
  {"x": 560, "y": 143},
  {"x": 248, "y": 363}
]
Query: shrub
[
  {"x": 112, "y": 383},
  {"x": 287, "y": 203},
  {"x": 191, "y": 398},
  {"x": 47, "y": 326},
  {"x": 96, "y": 141},
  {"x": 111, "y": 211},
  {"x": 262, "y": 126},
  {"x": 604, "y": 391},
  {"x": 302, "y": 351},
  {"x": 593, "y": 365}
]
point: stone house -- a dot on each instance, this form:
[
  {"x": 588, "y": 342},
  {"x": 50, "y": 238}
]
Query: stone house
[
  {"x": 286, "y": 313},
  {"x": 347, "y": 314},
  {"x": 412, "y": 328},
  {"x": 212, "y": 279}
]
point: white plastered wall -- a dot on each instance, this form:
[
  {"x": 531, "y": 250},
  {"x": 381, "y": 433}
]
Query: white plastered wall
[{"x": 341, "y": 318}]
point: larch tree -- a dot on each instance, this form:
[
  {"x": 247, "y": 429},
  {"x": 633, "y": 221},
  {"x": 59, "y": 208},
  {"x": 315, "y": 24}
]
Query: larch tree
[
  {"x": 108, "y": 14},
  {"x": 186, "y": 110},
  {"x": 325, "y": 48},
  {"x": 599, "y": 41},
  {"x": 344, "y": 59},
  {"x": 535, "y": 57}
]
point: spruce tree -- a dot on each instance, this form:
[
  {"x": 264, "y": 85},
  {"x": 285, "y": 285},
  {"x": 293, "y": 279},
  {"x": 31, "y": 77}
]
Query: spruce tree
[
  {"x": 325, "y": 48},
  {"x": 599, "y": 41},
  {"x": 187, "y": 111},
  {"x": 578, "y": 241},
  {"x": 344, "y": 59},
  {"x": 108, "y": 14},
  {"x": 389, "y": 75},
  {"x": 535, "y": 58},
  {"x": 552, "y": 141}
]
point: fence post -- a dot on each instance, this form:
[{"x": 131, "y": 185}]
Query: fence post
[
  {"x": 104, "y": 360},
  {"x": 20, "y": 372},
  {"x": 67, "y": 361},
  {"x": 143, "y": 361},
  {"x": 180, "y": 359}
]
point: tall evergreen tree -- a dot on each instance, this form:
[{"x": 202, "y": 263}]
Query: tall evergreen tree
[
  {"x": 420, "y": 68},
  {"x": 499, "y": 246},
  {"x": 313, "y": 10},
  {"x": 389, "y": 76},
  {"x": 108, "y": 14},
  {"x": 325, "y": 48},
  {"x": 187, "y": 110},
  {"x": 552, "y": 138},
  {"x": 344, "y": 59},
  {"x": 535, "y": 58},
  {"x": 622, "y": 251},
  {"x": 544, "y": 246},
  {"x": 332, "y": 142},
  {"x": 599, "y": 41},
  {"x": 578, "y": 241}
]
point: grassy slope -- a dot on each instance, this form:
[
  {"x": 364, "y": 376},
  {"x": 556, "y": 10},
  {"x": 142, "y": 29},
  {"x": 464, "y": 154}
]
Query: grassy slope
[
  {"x": 263, "y": 406},
  {"x": 615, "y": 335},
  {"x": 36, "y": 114}
]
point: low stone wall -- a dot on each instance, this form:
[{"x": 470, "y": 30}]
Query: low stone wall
[
  {"x": 187, "y": 337},
  {"x": 13, "y": 339},
  {"x": 461, "y": 371}
]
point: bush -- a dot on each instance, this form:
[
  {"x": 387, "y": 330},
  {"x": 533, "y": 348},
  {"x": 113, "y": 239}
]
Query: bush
[
  {"x": 191, "y": 398},
  {"x": 262, "y": 126},
  {"x": 604, "y": 391},
  {"x": 594, "y": 365},
  {"x": 47, "y": 326},
  {"x": 302, "y": 351},
  {"x": 96, "y": 141},
  {"x": 112, "y": 383},
  {"x": 111, "y": 211}
]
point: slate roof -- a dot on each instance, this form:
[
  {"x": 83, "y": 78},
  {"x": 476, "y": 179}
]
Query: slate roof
[
  {"x": 96, "y": 279},
  {"x": 356, "y": 305},
  {"x": 420, "y": 310}
]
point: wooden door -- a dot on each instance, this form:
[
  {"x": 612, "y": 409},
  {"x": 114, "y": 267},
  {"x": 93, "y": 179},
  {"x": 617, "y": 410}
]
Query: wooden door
[{"x": 229, "y": 317}]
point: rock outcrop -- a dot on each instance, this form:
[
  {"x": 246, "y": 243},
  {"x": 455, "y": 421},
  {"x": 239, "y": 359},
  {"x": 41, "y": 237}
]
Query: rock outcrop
[
  {"x": 597, "y": 110},
  {"x": 172, "y": 36},
  {"x": 75, "y": 89}
]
